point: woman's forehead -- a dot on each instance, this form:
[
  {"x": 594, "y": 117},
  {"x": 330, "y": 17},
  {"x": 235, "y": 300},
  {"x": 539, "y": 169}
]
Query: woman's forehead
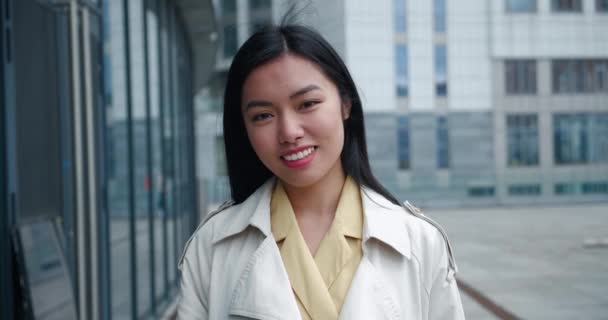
[{"x": 284, "y": 76}]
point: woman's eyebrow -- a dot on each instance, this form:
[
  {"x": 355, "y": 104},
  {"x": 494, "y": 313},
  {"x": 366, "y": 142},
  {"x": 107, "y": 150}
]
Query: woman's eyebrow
[
  {"x": 304, "y": 91},
  {"x": 263, "y": 103},
  {"x": 257, "y": 103}
]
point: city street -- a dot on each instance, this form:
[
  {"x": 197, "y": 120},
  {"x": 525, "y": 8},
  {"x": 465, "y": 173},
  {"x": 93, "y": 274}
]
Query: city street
[{"x": 535, "y": 262}]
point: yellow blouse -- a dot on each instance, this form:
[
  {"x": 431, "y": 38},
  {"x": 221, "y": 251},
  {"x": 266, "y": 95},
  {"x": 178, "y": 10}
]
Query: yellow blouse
[{"x": 320, "y": 283}]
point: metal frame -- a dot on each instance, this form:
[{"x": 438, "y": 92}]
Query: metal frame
[
  {"x": 149, "y": 164},
  {"x": 7, "y": 267},
  {"x": 105, "y": 299},
  {"x": 130, "y": 157},
  {"x": 79, "y": 163},
  {"x": 162, "y": 20},
  {"x": 91, "y": 167},
  {"x": 172, "y": 130}
]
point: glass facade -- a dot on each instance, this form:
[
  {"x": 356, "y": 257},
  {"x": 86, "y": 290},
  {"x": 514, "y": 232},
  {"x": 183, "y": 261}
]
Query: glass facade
[
  {"x": 403, "y": 141},
  {"x": 521, "y": 5},
  {"x": 522, "y": 140},
  {"x": 525, "y": 190},
  {"x": 567, "y": 5},
  {"x": 101, "y": 155},
  {"x": 443, "y": 143},
  {"x": 400, "y": 22},
  {"x": 580, "y": 138},
  {"x": 441, "y": 82},
  {"x": 260, "y": 14},
  {"x": 580, "y": 76},
  {"x": 439, "y": 10},
  {"x": 520, "y": 77},
  {"x": 230, "y": 39},
  {"x": 401, "y": 63}
]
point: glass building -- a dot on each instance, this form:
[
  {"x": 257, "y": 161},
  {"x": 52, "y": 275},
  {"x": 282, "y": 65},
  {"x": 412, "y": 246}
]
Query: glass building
[{"x": 97, "y": 146}]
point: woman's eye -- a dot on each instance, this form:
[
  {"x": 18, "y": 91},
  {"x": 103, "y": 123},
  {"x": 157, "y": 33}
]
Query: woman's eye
[
  {"x": 261, "y": 117},
  {"x": 309, "y": 104}
]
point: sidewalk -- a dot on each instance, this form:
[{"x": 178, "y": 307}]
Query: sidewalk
[{"x": 532, "y": 261}]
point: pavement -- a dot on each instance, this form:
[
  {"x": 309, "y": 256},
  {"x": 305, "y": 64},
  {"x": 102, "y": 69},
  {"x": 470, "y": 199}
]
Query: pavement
[{"x": 535, "y": 262}]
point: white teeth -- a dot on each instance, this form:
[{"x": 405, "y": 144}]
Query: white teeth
[{"x": 299, "y": 155}]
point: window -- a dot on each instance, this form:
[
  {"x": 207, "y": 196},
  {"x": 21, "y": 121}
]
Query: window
[
  {"x": 439, "y": 15},
  {"x": 580, "y": 138},
  {"x": 230, "y": 40},
  {"x": 598, "y": 137},
  {"x": 567, "y": 5},
  {"x": 257, "y": 25},
  {"x": 517, "y": 6},
  {"x": 441, "y": 86},
  {"x": 403, "y": 141},
  {"x": 260, "y": 15},
  {"x": 594, "y": 187},
  {"x": 481, "y": 191},
  {"x": 522, "y": 140},
  {"x": 228, "y": 29},
  {"x": 228, "y": 7},
  {"x": 400, "y": 16},
  {"x": 565, "y": 188},
  {"x": 601, "y": 5},
  {"x": 570, "y": 138},
  {"x": 524, "y": 190},
  {"x": 259, "y": 4},
  {"x": 443, "y": 143},
  {"x": 401, "y": 64},
  {"x": 580, "y": 76},
  {"x": 520, "y": 76}
]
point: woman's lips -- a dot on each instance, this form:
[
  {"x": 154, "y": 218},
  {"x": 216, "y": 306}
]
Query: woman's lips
[{"x": 300, "y": 159}]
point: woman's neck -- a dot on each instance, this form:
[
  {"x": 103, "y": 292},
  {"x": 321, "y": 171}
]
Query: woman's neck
[{"x": 320, "y": 198}]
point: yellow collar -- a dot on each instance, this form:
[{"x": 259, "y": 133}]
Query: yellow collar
[{"x": 349, "y": 224}]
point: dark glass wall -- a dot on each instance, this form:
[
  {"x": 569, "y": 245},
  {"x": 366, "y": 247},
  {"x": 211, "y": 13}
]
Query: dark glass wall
[
  {"x": 96, "y": 136},
  {"x": 149, "y": 143}
]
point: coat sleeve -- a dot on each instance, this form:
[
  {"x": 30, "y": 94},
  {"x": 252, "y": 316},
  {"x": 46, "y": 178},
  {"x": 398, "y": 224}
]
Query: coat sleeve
[
  {"x": 444, "y": 300},
  {"x": 193, "y": 297}
]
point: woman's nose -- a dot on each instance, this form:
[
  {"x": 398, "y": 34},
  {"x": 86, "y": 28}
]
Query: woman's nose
[{"x": 290, "y": 129}]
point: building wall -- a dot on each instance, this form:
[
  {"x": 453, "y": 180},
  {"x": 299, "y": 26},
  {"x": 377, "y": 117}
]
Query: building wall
[
  {"x": 369, "y": 45},
  {"x": 546, "y": 33},
  {"x": 469, "y": 65},
  {"x": 542, "y": 36},
  {"x": 420, "y": 55}
]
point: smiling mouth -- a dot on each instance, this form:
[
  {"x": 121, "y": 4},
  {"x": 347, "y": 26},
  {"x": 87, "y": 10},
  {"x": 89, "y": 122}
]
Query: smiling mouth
[{"x": 299, "y": 155}]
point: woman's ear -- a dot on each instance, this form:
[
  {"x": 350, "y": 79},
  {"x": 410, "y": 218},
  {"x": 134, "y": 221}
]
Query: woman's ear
[{"x": 346, "y": 106}]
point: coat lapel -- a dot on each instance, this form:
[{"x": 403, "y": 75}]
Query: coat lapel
[
  {"x": 372, "y": 294},
  {"x": 369, "y": 296},
  {"x": 263, "y": 290}
]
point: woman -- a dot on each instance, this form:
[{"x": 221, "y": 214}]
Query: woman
[{"x": 310, "y": 233}]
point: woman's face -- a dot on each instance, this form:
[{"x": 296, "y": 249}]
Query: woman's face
[{"x": 294, "y": 119}]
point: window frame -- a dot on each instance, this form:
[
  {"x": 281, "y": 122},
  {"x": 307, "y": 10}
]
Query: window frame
[
  {"x": 555, "y": 6},
  {"x": 524, "y": 149},
  {"x": 401, "y": 71},
  {"x": 510, "y": 8},
  {"x": 526, "y": 69},
  {"x": 404, "y": 157}
]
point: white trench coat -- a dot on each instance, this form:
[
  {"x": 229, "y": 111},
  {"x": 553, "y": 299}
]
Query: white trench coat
[{"x": 232, "y": 268}]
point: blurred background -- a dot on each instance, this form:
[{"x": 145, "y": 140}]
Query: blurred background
[{"x": 491, "y": 115}]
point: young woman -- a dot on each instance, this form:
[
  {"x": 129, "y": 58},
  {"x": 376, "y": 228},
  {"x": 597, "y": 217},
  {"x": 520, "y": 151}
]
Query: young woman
[{"x": 310, "y": 233}]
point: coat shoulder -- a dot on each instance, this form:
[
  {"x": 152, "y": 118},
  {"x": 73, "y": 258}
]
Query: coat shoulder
[
  {"x": 429, "y": 240},
  {"x": 204, "y": 231}
]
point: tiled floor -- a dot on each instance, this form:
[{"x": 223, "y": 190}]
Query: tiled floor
[{"x": 532, "y": 261}]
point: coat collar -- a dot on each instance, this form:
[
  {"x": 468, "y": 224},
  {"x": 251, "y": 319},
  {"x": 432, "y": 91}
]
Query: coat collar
[{"x": 383, "y": 220}]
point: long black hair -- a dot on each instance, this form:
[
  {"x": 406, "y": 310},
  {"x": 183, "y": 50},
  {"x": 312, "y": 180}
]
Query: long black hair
[{"x": 245, "y": 170}]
